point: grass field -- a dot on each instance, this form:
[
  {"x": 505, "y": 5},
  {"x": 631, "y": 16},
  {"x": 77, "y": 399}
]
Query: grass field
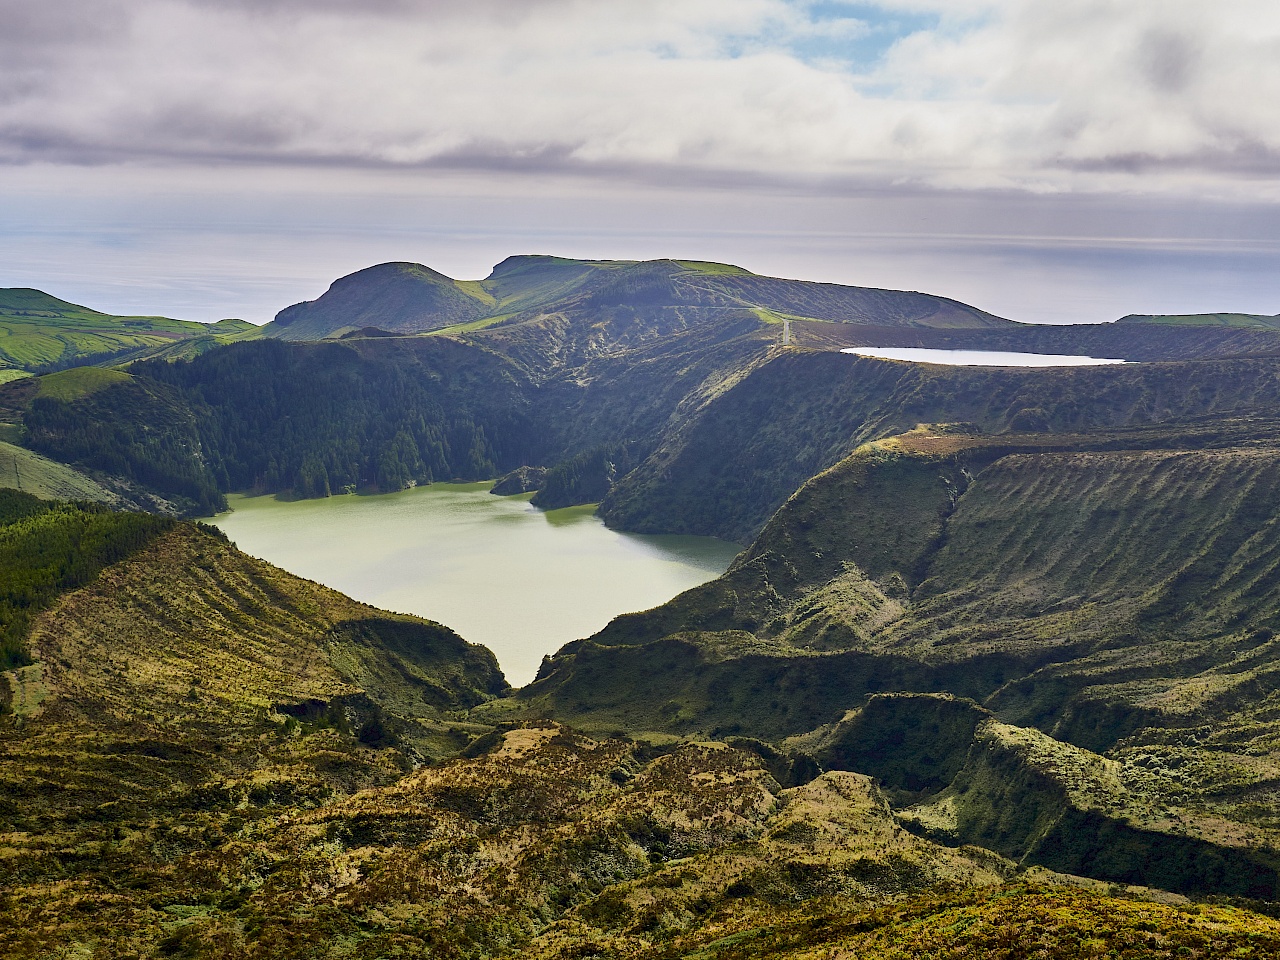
[
  {"x": 22, "y": 469},
  {"x": 39, "y": 330}
]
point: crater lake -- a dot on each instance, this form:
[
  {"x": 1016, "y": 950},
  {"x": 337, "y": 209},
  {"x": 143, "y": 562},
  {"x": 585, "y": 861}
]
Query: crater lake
[{"x": 497, "y": 570}]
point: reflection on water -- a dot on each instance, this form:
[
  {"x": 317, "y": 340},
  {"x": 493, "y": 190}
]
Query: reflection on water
[
  {"x": 978, "y": 358},
  {"x": 496, "y": 569}
]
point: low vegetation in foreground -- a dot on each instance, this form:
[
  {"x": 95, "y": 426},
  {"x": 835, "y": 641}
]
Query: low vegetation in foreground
[
  {"x": 995, "y": 676},
  {"x": 208, "y": 757}
]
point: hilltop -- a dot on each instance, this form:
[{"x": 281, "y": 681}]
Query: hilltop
[
  {"x": 40, "y": 331},
  {"x": 657, "y": 295},
  {"x": 659, "y": 388}
]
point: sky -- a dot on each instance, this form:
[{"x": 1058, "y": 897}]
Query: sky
[{"x": 1047, "y": 160}]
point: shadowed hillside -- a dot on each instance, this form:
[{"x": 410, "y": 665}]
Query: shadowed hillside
[
  {"x": 658, "y": 387},
  {"x": 724, "y": 470}
]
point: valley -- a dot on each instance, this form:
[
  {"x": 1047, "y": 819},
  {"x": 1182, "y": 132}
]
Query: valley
[{"x": 994, "y": 671}]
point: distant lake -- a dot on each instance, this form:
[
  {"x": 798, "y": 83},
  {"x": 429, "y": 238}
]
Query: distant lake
[
  {"x": 978, "y": 358},
  {"x": 497, "y": 570}
]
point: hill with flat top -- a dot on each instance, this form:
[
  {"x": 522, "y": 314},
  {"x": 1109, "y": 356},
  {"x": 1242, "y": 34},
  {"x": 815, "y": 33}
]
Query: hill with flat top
[{"x": 656, "y": 295}]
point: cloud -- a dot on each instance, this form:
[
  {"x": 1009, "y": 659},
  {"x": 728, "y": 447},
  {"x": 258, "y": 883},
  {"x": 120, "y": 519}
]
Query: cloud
[{"x": 973, "y": 94}]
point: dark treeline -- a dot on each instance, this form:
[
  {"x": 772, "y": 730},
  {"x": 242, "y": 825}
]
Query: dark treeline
[
  {"x": 49, "y": 548},
  {"x": 585, "y": 478},
  {"x": 316, "y": 419},
  {"x": 382, "y": 414},
  {"x": 138, "y": 430}
]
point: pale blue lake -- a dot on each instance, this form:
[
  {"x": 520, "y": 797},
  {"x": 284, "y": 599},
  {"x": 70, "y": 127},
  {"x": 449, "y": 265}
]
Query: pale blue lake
[{"x": 978, "y": 358}]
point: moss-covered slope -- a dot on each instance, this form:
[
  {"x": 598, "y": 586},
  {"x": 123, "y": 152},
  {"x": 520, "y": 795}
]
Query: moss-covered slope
[
  {"x": 1105, "y": 603},
  {"x": 1033, "y": 567},
  {"x": 26, "y": 470},
  {"x": 179, "y": 668},
  {"x": 208, "y": 757},
  {"x": 548, "y": 841}
]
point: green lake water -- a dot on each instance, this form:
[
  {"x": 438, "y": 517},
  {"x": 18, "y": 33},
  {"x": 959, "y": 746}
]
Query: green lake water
[{"x": 522, "y": 581}]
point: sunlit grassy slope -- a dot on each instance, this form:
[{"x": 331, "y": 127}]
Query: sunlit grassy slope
[
  {"x": 38, "y": 330},
  {"x": 78, "y": 382},
  {"x": 23, "y": 469},
  {"x": 208, "y": 757}
]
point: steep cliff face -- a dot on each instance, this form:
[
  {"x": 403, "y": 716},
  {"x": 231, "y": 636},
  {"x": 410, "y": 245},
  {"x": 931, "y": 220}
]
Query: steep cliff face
[
  {"x": 724, "y": 470},
  {"x": 1032, "y": 573},
  {"x": 1117, "y": 606}
]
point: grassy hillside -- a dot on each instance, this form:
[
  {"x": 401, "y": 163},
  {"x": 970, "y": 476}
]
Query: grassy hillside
[
  {"x": 208, "y": 757},
  {"x": 657, "y": 387},
  {"x": 47, "y": 549},
  {"x": 1113, "y": 609},
  {"x": 612, "y": 295},
  {"x": 137, "y": 436},
  {"x": 25, "y": 470},
  {"x": 718, "y": 426},
  {"x": 1060, "y": 922},
  {"x": 382, "y": 414},
  {"x": 399, "y": 297},
  {"x": 725, "y": 469},
  {"x": 213, "y": 335},
  {"x": 1252, "y": 320},
  {"x": 973, "y": 689},
  {"x": 549, "y": 844},
  {"x": 1146, "y": 342},
  {"x": 38, "y": 330},
  {"x": 1003, "y": 554},
  {"x": 374, "y": 413}
]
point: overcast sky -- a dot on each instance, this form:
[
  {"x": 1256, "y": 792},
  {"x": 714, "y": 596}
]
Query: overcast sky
[{"x": 1049, "y": 160}]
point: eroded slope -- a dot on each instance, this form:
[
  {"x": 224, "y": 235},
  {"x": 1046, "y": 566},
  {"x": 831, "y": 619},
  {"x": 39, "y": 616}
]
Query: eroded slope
[{"x": 1113, "y": 608}]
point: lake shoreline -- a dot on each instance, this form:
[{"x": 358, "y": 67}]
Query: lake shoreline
[{"x": 497, "y": 570}]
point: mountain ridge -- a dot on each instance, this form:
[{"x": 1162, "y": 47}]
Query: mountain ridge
[
  {"x": 405, "y": 297},
  {"x": 1001, "y": 652}
]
